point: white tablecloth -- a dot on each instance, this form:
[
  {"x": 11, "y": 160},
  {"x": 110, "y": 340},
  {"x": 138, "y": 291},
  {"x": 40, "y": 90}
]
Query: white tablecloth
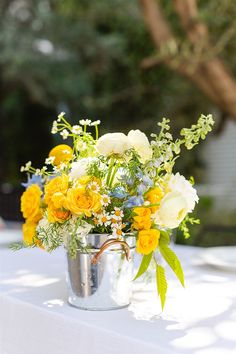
[{"x": 36, "y": 319}]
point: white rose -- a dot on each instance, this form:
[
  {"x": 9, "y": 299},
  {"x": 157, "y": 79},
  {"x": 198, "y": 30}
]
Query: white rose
[
  {"x": 173, "y": 209},
  {"x": 140, "y": 143},
  {"x": 79, "y": 168},
  {"x": 178, "y": 183},
  {"x": 113, "y": 143}
]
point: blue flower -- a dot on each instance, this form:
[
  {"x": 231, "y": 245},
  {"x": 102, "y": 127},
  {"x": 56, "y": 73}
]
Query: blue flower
[
  {"x": 147, "y": 181},
  {"x": 134, "y": 201},
  {"x": 139, "y": 175},
  {"x": 141, "y": 189},
  {"x": 126, "y": 179},
  {"x": 119, "y": 192},
  {"x": 155, "y": 163},
  {"x": 33, "y": 180}
]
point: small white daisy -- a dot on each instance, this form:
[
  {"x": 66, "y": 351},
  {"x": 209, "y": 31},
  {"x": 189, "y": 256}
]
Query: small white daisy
[
  {"x": 115, "y": 219},
  {"x": 118, "y": 212},
  {"x": 55, "y": 169},
  {"x": 94, "y": 186},
  {"x": 104, "y": 219},
  {"x": 85, "y": 122},
  {"x": 60, "y": 116},
  {"x": 64, "y": 134},
  {"x": 105, "y": 200},
  {"x": 117, "y": 230},
  {"x": 81, "y": 145},
  {"x": 54, "y": 127},
  {"x": 50, "y": 160},
  {"x": 37, "y": 172},
  {"x": 76, "y": 129},
  {"x": 62, "y": 166},
  {"x": 95, "y": 220},
  {"x": 96, "y": 122},
  {"x": 28, "y": 165}
]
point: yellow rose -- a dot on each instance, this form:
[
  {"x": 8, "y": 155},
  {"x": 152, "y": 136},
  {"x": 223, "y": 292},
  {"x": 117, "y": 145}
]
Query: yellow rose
[
  {"x": 58, "y": 184},
  {"x": 154, "y": 196},
  {"x": 29, "y": 231},
  {"x": 30, "y": 203},
  {"x": 83, "y": 181},
  {"x": 58, "y": 200},
  {"x": 80, "y": 201},
  {"x": 142, "y": 219},
  {"x": 62, "y": 153},
  {"x": 58, "y": 215},
  {"x": 147, "y": 241},
  {"x": 29, "y": 234}
]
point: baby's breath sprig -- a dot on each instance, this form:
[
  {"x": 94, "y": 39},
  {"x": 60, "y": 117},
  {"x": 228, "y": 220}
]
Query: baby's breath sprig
[
  {"x": 36, "y": 171},
  {"x": 83, "y": 141},
  {"x": 61, "y": 125}
]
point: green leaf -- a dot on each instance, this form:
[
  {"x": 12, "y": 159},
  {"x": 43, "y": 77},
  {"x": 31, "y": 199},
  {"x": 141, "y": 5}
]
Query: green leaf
[
  {"x": 16, "y": 246},
  {"x": 144, "y": 265},
  {"x": 165, "y": 237},
  {"x": 161, "y": 284},
  {"x": 173, "y": 261}
]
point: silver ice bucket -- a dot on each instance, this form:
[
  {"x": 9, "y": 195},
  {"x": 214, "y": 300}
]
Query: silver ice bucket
[{"x": 101, "y": 278}]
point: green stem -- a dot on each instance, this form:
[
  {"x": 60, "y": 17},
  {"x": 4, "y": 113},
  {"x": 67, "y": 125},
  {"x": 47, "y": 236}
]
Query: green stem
[
  {"x": 113, "y": 174},
  {"x": 75, "y": 140},
  {"x": 96, "y": 130},
  {"x": 148, "y": 206},
  {"x": 111, "y": 164}
]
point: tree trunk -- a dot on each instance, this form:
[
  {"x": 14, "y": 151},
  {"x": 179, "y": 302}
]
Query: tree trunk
[{"x": 210, "y": 75}]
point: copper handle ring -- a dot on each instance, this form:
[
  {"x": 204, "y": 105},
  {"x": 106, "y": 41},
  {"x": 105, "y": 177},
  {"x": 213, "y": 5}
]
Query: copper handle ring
[{"x": 108, "y": 243}]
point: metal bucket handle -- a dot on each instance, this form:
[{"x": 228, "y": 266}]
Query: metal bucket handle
[{"x": 108, "y": 243}]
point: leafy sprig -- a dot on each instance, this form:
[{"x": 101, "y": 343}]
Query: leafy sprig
[
  {"x": 166, "y": 151},
  {"x": 184, "y": 228}
]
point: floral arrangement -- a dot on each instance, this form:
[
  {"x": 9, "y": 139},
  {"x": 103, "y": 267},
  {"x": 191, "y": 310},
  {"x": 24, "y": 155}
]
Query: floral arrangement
[{"x": 115, "y": 184}]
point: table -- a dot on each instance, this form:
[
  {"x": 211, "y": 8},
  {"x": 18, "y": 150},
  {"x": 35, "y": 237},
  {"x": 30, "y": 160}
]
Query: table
[{"x": 36, "y": 319}]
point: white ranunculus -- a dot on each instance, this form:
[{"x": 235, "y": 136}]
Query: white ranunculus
[
  {"x": 173, "y": 209},
  {"x": 140, "y": 143},
  {"x": 113, "y": 143},
  {"x": 178, "y": 183},
  {"x": 79, "y": 168}
]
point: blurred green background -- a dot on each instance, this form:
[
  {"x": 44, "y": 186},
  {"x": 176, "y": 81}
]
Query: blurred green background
[{"x": 84, "y": 58}]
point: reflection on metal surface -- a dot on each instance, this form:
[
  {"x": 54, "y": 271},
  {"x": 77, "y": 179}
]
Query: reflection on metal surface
[{"x": 104, "y": 285}]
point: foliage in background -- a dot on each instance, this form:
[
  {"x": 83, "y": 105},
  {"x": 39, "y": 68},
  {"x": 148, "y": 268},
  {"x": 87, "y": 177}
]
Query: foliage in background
[
  {"x": 217, "y": 227},
  {"x": 85, "y": 57}
]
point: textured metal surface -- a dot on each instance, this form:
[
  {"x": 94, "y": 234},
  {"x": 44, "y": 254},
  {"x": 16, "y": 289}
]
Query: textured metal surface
[{"x": 102, "y": 286}]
